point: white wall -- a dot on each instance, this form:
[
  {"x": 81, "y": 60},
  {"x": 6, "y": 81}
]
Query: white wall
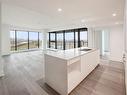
[
  {"x": 45, "y": 31},
  {"x": 116, "y": 43},
  {"x": 5, "y": 39},
  {"x": 106, "y": 40},
  {"x": 91, "y": 37},
  {"x": 113, "y": 40},
  {"x": 125, "y": 41},
  {"x": 1, "y": 64},
  {"x": 95, "y": 38},
  {"x": 98, "y": 40},
  {"x": 0, "y": 29}
]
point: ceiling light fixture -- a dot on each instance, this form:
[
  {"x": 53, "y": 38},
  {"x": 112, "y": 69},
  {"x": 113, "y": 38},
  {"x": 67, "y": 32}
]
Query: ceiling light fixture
[
  {"x": 59, "y": 9},
  {"x": 114, "y": 14}
]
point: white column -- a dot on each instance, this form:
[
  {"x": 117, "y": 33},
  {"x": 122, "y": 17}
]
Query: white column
[
  {"x": 125, "y": 33},
  {"x": 45, "y": 32},
  {"x": 1, "y": 64},
  {"x": 44, "y": 47},
  {"x": 98, "y": 40},
  {"x": 91, "y": 37},
  {"x": 5, "y": 43}
]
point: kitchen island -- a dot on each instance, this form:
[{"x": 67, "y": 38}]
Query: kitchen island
[{"x": 65, "y": 69}]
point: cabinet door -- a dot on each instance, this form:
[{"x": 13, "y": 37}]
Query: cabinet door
[
  {"x": 84, "y": 66},
  {"x": 89, "y": 62}
]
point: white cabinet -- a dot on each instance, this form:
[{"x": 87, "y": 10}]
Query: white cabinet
[
  {"x": 74, "y": 73},
  {"x": 64, "y": 75},
  {"x": 89, "y": 62}
]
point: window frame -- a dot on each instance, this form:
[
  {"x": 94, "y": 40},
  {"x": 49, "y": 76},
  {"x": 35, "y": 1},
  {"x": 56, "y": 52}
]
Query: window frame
[
  {"x": 78, "y": 30},
  {"x": 28, "y": 39}
]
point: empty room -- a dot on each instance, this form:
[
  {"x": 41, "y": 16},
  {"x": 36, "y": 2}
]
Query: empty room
[{"x": 63, "y": 47}]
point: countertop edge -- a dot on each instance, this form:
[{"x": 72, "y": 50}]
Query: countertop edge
[{"x": 73, "y": 56}]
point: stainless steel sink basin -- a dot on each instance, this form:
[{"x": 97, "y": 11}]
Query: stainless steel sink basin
[{"x": 85, "y": 49}]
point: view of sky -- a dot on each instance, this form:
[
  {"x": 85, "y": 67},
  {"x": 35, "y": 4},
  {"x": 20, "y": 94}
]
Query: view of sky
[
  {"x": 24, "y": 35},
  {"x": 34, "y": 35},
  {"x": 69, "y": 36}
]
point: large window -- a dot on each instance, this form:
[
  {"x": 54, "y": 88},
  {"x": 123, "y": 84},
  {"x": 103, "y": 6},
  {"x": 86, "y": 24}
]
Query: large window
[
  {"x": 60, "y": 40},
  {"x": 83, "y": 39},
  {"x": 68, "y": 39},
  {"x": 52, "y": 40},
  {"x": 23, "y": 40},
  {"x": 40, "y": 39},
  {"x": 76, "y": 39},
  {"x": 33, "y": 40},
  {"x": 12, "y": 39}
]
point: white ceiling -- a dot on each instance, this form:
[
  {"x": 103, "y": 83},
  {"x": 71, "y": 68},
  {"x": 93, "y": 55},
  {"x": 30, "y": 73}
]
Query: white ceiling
[{"x": 94, "y": 12}]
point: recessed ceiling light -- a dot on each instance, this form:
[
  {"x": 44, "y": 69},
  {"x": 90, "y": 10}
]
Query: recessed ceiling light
[
  {"x": 82, "y": 20},
  {"x": 59, "y": 9},
  {"x": 114, "y": 14}
]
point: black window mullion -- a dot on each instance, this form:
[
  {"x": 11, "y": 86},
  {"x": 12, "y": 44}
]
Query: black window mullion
[
  {"x": 87, "y": 38},
  {"x": 49, "y": 39},
  {"x": 63, "y": 40},
  {"x": 75, "y": 31},
  {"x": 55, "y": 40},
  {"x": 79, "y": 38},
  {"x": 15, "y": 40},
  {"x": 74, "y": 40},
  {"x": 38, "y": 40},
  {"x": 28, "y": 41}
]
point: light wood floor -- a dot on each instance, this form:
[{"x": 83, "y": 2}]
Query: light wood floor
[{"x": 24, "y": 76}]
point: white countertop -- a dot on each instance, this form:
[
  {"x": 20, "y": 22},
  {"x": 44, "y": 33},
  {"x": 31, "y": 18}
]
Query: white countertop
[{"x": 67, "y": 54}]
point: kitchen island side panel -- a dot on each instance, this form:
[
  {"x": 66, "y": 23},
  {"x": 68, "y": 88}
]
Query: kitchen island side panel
[{"x": 56, "y": 73}]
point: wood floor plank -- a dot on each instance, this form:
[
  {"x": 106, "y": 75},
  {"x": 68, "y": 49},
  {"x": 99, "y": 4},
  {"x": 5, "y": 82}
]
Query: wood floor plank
[{"x": 24, "y": 75}]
